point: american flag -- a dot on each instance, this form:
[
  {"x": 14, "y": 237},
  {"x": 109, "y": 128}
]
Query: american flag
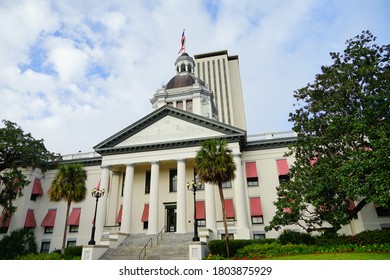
[{"x": 183, "y": 41}]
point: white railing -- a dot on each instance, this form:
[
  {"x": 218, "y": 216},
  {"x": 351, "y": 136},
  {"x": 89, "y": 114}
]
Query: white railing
[
  {"x": 271, "y": 135},
  {"x": 80, "y": 156}
]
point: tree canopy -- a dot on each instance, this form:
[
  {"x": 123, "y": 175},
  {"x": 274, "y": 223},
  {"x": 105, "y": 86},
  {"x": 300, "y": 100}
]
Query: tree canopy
[
  {"x": 343, "y": 145},
  {"x": 18, "y": 150}
]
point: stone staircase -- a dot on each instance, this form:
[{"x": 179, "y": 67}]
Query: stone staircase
[{"x": 170, "y": 246}]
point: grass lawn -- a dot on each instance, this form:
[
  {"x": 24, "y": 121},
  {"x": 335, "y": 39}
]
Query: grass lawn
[{"x": 336, "y": 256}]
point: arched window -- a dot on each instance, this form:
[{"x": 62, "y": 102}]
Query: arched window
[
  {"x": 189, "y": 106},
  {"x": 179, "y": 105}
]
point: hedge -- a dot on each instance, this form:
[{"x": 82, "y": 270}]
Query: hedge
[
  {"x": 367, "y": 241},
  {"x": 218, "y": 247},
  {"x": 260, "y": 251}
]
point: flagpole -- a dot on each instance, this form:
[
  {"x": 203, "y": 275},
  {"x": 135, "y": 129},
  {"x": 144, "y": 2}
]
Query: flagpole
[{"x": 183, "y": 41}]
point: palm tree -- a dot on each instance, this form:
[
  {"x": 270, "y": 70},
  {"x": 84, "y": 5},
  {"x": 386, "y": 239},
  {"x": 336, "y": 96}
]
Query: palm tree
[
  {"x": 214, "y": 164},
  {"x": 68, "y": 185}
]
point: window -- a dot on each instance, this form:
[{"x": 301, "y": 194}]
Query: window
[
  {"x": 227, "y": 184},
  {"x": 45, "y": 247},
  {"x": 49, "y": 229},
  {"x": 123, "y": 183},
  {"x": 257, "y": 220},
  {"x": 147, "y": 182},
  {"x": 283, "y": 170},
  {"x": 71, "y": 243},
  {"x": 49, "y": 220},
  {"x": 173, "y": 180},
  {"x": 145, "y": 216},
  {"x": 258, "y": 236},
  {"x": 30, "y": 219},
  {"x": 252, "y": 178},
  {"x": 36, "y": 190},
  {"x": 251, "y": 182},
  {"x": 382, "y": 212},
  {"x": 74, "y": 220},
  {"x": 230, "y": 236},
  {"x": 256, "y": 210},
  {"x": 73, "y": 228},
  {"x": 201, "y": 213},
  {"x": 179, "y": 105},
  {"x": 229, "y": 209},
  {"x": 189, "y": 106},
  {"x": 283, "y": 178},
  {"x": 119, "y": 217},
  {"x": 201, "y": 223}
]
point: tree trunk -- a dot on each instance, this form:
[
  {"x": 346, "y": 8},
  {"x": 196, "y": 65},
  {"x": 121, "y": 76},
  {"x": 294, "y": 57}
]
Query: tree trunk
[
  {"x": 221, "y": 196},
  {"x": 65, "y": 230}
]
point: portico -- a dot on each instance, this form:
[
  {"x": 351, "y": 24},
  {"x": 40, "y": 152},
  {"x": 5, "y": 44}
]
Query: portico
[{"x": 155, "y": 175}]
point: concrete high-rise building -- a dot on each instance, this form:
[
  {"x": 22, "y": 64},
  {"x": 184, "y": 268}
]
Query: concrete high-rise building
[{"x": 221, "y": 72}]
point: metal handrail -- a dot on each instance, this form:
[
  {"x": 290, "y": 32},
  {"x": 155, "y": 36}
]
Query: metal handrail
[
  {"x": 144, "y": 248},
  {"x": 160, "y": 234},
  {"x": 151, "y": 243}
]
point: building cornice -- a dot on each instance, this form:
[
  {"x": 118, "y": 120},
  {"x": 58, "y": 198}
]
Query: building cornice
[{"x": 109, "y": 146}]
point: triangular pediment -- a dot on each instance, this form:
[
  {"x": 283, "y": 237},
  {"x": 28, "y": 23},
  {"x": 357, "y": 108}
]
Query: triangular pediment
[{"x": 165, "y": 128}]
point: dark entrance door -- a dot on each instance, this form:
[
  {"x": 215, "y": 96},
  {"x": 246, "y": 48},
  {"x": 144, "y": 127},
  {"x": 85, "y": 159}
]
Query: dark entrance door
[{"x": 171, "y": 218}]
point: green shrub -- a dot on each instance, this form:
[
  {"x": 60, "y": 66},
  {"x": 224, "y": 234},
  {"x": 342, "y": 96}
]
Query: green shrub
[
  {"x": 372, "y": 237},
  {"x": 18, "y": 243},
  {"x": 73, "y": 252},
  {"x": 218, "y": 247},
  {"x": 41, "y": 256},
  {"x": 344, "y": 248},
  {"x": 323, "y": 240},
  {"x": 260, "y": 251},
  {"x": 289, "y": 236}
]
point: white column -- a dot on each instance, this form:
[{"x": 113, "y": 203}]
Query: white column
[
  {"x": 181, "y": 218},
  {"x": 153, "y": 203},
  {"x": 102, "y": 204},
  {"x": 211, "y": 218},
  {"x": 241, "y": 201},
  {"x": 127, "y": 199}
]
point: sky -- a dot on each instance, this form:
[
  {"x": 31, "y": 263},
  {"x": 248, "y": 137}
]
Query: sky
[{"x": 75, "y": 72}]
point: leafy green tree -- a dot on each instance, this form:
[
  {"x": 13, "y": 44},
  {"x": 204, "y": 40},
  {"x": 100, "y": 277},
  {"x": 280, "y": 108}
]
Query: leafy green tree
[
  {"x": 343, "y": 144},
  {"x": 19, "y": 242},
  {"x": 214, "y": 164},
  {"x": 68, "y": 185},
  {"x": 18, "y": 150}
]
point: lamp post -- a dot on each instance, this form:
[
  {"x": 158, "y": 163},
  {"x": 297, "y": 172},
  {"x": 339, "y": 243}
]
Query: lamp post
[
  {"x": 193, "y": 186},
  {"x": 96, "y": 194}
]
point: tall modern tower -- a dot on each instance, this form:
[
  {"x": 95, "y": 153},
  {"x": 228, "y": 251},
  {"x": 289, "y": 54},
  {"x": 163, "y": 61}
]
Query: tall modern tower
[{"x": 221, "y": 73}]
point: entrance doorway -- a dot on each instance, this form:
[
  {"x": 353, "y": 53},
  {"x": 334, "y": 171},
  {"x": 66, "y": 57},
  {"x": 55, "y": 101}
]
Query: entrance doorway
[{"x": 171, "y": 218}]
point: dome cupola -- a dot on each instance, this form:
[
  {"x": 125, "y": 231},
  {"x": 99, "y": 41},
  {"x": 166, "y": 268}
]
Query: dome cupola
[
  {"x": 186, "y": 91},
  {"x": 185, "y": 77}
]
